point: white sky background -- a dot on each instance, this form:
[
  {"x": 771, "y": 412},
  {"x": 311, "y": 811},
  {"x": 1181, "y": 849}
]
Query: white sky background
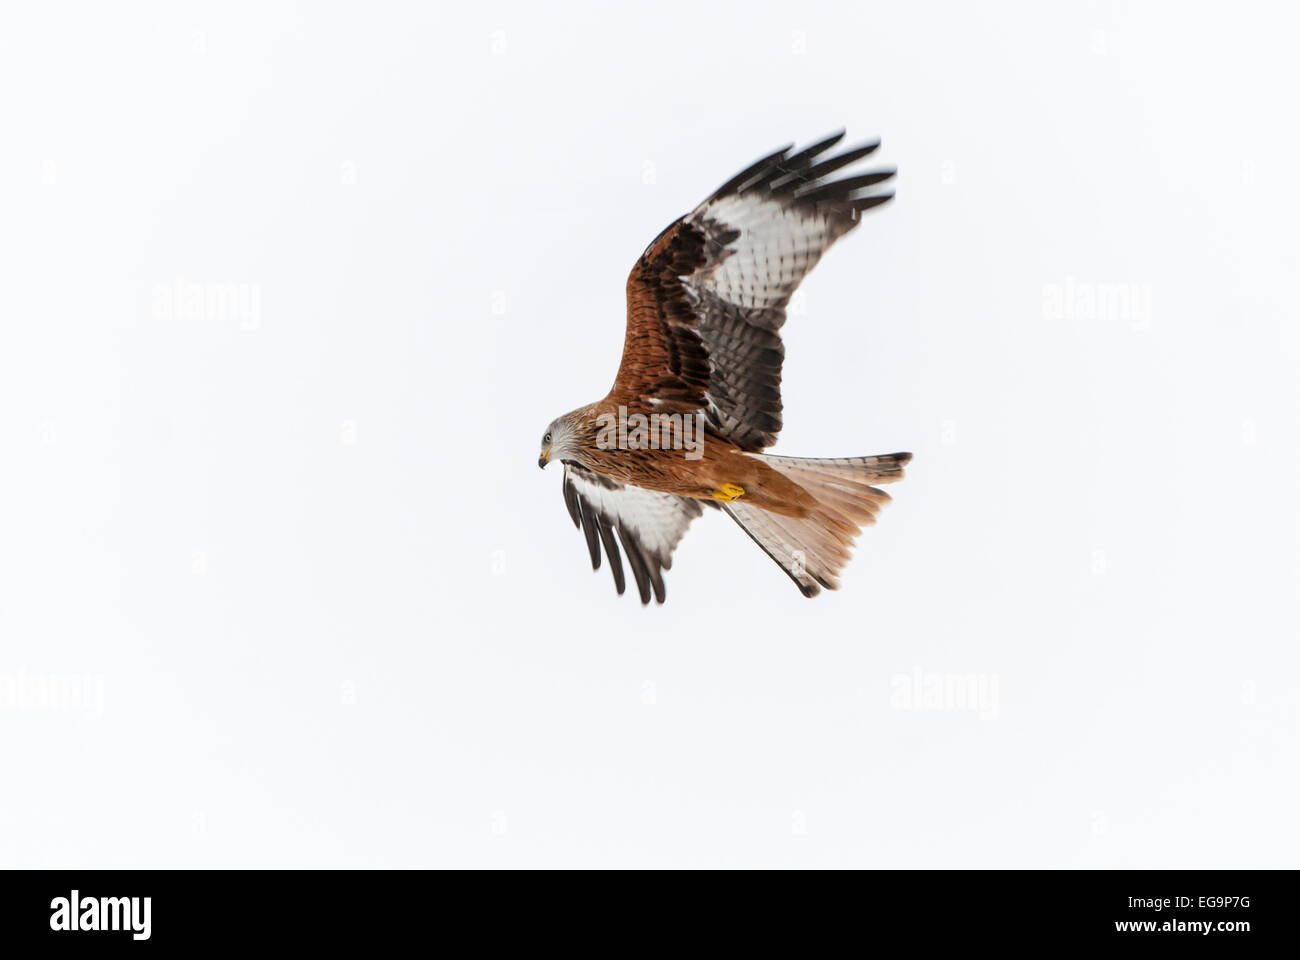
[{"x": 303, "y": 597}]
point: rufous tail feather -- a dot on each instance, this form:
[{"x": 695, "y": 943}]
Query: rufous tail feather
[{"x": 813, "y": 549}]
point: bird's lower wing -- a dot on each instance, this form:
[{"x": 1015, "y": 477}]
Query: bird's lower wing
[{"x": 648, "y": 524}]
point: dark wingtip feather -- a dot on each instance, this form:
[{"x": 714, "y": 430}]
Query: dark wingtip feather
[
  {"x": 657, "y": 581},
  {"x": 842, "y": 189},
  {"x": 571, "y": 502},
  {"x": 805, "y": 156},
  {"x": 793, "y": 180},
  {"x": 784, "y": 166},
  {"x": 748, "y": 173},
  {"x": 866, "y": 203},
  {"x": 589, "y": 527},
  {"x": 611, "y": 551},
  {"x": 640, "y": 571}
]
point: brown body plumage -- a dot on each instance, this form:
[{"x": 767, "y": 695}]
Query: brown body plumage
[
  {"x": 705, "y": 304},
  {"x": 667, "y": 471}
]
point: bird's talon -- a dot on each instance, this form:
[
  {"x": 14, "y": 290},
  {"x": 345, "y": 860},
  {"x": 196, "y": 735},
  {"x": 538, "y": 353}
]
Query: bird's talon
[{"x": 728, "y": 492}]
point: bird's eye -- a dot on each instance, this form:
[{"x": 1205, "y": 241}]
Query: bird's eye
[{"x": 546, "y": 439}]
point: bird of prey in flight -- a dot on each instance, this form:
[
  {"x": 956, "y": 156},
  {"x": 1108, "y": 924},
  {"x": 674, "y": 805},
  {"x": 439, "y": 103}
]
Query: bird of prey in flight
[{"x": 697, "y": 397}]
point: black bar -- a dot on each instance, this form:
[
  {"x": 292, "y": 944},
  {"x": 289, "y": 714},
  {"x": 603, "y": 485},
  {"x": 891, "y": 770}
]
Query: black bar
[{"x": 370, "y": 909}]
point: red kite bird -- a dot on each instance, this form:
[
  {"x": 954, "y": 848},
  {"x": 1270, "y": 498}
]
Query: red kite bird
[{"x": 697, "y": 397}]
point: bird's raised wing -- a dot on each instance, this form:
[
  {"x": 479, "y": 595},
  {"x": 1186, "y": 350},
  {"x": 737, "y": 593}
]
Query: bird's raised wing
[
  {"x": 706, "y": 301},
  {"x": 647, "y": 523}
]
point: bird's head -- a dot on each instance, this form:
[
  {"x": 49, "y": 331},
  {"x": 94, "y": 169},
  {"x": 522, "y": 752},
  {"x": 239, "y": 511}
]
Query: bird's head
[{"x": 565, "y": 438}]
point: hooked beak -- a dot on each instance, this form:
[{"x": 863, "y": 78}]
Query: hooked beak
[{"x": 545, "y": 458}]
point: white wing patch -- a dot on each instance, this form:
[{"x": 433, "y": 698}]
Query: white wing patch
[
  {"x": 777, "y": 247},
  {"x": 647, "y": 523}
]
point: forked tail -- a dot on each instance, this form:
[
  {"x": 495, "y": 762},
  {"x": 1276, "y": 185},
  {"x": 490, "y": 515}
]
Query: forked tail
[{"x": 813, "y": 549}]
